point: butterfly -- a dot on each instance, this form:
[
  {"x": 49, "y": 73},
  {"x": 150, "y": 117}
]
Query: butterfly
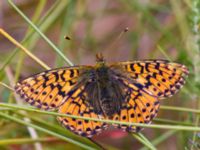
[{"x": 125, "y": 91}]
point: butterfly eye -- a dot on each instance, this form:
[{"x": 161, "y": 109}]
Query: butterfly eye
[{"x": 92, "y": 80}]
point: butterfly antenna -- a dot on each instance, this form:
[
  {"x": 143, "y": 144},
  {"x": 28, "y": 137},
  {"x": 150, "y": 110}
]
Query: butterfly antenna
[
  {"x": 112, "y": 45},
  {"x": 81, "y": 46}
]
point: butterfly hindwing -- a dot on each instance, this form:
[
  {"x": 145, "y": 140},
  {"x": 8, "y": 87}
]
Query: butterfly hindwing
[
  {"x": 139, "y": 107},
  {"x": 76, "y": 105}
]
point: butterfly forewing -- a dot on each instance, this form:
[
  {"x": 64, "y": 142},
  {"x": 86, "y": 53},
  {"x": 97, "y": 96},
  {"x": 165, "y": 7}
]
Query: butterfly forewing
[
  {"x": 160, "y": 78},
  {"x": 47, "y": 90}
]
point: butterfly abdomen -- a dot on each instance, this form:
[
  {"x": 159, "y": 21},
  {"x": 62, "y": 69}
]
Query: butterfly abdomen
[{"x": 107, "y": 103}]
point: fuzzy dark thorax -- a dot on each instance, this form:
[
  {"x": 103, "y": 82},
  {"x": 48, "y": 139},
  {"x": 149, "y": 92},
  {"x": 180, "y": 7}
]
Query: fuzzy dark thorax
[{"x": 106, "y": 99}]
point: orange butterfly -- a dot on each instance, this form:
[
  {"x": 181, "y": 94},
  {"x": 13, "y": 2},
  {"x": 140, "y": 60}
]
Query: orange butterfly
[{"x": 125, "y": 91}]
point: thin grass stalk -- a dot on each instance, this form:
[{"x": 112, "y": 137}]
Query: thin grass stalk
[
  {"x": 40, "y": 33},
  {"x": 23, "y": 48},
  {"x": 140, "y": 139},
  {"x": 31, "y": 130},
  {"x": 32, "y": 35},
  {"x": 6, "y": 116},
  {"x": 53, "y": 127},
  {"x": 159, "y": 126},
  {"x": 20, "y": 141},
  {"x": 196, "y": 37},
  {"x": 161, "y": 138}
]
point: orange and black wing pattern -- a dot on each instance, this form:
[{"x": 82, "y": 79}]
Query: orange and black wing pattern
[
  {"x": 136, "y": 86},
  {"x": 146, "y": 82},
  {"x": 47, "y": 90},
  {"x": 159, "y": 78},
  {"x": 76, "y": 104},
  {"x": 62, "y": 89}
]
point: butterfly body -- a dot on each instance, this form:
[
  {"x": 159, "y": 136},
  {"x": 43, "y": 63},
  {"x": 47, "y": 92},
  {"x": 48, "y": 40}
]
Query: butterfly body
[
  {"x": 125, "y": 91},
  {"x": 105, "y": 94}
]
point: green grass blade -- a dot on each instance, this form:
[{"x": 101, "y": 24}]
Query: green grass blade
[
  {"x": 46, "y": 131},
  {"x": 41, "y": 34}
]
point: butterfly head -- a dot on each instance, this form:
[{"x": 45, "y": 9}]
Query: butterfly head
[
  {"x": 99, "y": 57},
  {"x": 100, "y": 61}
]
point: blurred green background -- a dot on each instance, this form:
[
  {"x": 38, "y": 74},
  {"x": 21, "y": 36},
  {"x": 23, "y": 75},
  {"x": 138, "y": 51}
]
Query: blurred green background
[{"x": 158, "y": 29}]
